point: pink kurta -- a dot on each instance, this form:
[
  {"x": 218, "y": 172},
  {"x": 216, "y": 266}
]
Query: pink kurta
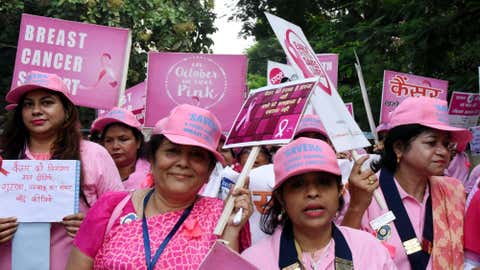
[
  {"x": 100, "y": 175},
  {"x": 137, "y": 178},
  {"x": 122, "y": 246},
  {"x": 458, "y": 168},
  {"x": 367, "y": 253}
]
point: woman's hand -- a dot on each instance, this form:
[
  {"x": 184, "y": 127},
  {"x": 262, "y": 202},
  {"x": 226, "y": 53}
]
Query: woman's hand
[
  {"x": 8, "y": 227},
  {"x": 72, "y": 223}
]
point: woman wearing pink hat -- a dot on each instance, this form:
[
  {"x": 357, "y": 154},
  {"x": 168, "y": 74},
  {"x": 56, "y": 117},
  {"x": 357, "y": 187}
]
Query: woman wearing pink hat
[
  {"x": 168, "y": 226},
  {"x": 305, "y": 200},
  {"x": 45, "y": 126},
  {"x": 120, "y": 133},
  {"x": 425, "y": 230}
]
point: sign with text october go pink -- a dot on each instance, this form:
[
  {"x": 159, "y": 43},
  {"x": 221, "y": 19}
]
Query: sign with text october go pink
[
  {"x": 214, "y": 82},
  {"x": 91, "y": 59}
]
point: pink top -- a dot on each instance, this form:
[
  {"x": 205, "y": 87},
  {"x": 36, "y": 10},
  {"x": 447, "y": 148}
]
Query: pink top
[
  {"x": 416, "y": 213},
  {"x": 122, "y": 246},
  {"x": 100, "y": 175},
  {"x": 264, "y": 254},
  {"x": 474, "y": 178},
  {"x": 137, "y": 178},
  {"x": 459, "y": 168}
]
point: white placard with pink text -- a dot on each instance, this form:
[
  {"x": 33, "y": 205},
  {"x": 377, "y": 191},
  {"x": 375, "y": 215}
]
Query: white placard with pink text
[
  {"x": 39, "y": 190},
  {"x": 464, "y": 109},
  {"x": 325, "y": 101}
]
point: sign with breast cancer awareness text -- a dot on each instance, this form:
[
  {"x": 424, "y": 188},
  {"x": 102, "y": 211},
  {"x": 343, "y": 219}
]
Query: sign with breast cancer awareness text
[
  {"x": 325, "y": 101},
  {"x": 91, "y": 59},
  {"x": 464, "y": 109},
  {"x": 270, "y": 114}
]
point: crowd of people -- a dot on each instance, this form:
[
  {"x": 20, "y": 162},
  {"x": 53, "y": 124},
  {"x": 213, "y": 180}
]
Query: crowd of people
[{"x": 155, "y": 204}]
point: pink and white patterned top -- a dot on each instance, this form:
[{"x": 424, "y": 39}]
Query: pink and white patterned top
[{"x": 122, "y": 246}]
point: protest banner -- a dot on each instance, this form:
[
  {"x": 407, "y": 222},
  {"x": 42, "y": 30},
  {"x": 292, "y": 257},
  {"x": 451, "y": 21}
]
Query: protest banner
[
  {"x": 221, "y": 256},
  {"x": 464, "y": 109},
  {"x": 329, "y": 62},
  {"x": 270, "y": 115},
  {"x": 475, "y": 142},
  {"x": 278, "y": 73},
  {"x": 398, "y": 86},
  {"x": 91, "y": 59},
  {"x": 133, "y": 100},
  {"x": 343, "y": 131},
  {"x": 39, "y": 190},
  {"x": 213, "y": 82}
]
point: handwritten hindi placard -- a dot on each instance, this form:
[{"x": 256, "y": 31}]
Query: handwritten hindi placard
[
  {"x": 39, "y": 190},
  {"x": 270, "y": 114},
  {"x": 464, "y": 109},
  {"x": 398, "y": 86}
]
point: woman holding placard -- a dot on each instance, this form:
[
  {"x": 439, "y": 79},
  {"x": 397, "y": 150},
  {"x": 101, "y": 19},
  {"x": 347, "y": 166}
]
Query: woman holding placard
[
  {"x": 120, "y": 133},
  {"x": 168, "y": 226},
  {"x": 305, "y": 200},
  {"x": 45, "y": 126},
  {"x": 424, "y": 227}
]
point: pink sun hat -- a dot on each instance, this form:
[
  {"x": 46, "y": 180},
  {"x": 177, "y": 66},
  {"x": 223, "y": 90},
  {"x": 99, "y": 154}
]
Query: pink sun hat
[
  {"x": 11, "y": 106},
  {"x": 311, "y": 123},
  {"x": 116, "y": 115},
  {"x": 429, "y": 112},
  {"x": 38, "y": 80},
  {"x": 304, "y": 155},
  {"x": 191, "y": 125},
  {"x": 382, "y": 127}
]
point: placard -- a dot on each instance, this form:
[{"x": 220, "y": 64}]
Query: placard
[
  {"x": 329, "y": 62},
  {"x": 39, "y": 190},
  {"x": 475, "y": 142},
  {"x": 349, "y": 106},
  {"x": 276, "y": 72},
  {"x": 270, "y": 114},
  {"x": 91, "y": 59},
  {"x": 398, "y": 86},
  {"x": 221, "y": 256},
  {"x": 211, "y": 81},
  {"x": 464, "y": 109}
]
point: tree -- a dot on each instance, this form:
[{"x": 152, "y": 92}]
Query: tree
[
  {"x": 155, "y": 24},
  {"x": 439, "y": 39}
]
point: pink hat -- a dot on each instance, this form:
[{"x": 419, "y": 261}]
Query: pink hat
[
  {"x": 429, "y": 112},
  {"x": 301, "y": 156},
  {"x": 158, "y": 128},
  {"x": 383, "y": 127},
  {"x": 11, "y": 106},
  {"x": 311, "y": 123},
  {"x": 38, "y": 80},
  {"x": 116, "y": 115},
  {"x": 191, "y": 125}
]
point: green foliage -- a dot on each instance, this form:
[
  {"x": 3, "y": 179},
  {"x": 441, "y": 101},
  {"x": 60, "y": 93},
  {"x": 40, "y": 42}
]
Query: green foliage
[
  {"x": 439, "y": 39},
  {"x": 161, "y": 25},
  {"x": 255, "y": 81}
]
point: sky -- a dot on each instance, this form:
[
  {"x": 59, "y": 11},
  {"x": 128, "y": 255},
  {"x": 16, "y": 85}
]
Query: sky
[{"x": 226, "y": 39}]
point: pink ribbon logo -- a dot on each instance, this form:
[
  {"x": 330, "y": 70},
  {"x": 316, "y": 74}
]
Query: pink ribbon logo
[
  {"x": 2, "y": 170},
  {"x": 245, "y": 121},
  {"x": 281, "y": 128}
]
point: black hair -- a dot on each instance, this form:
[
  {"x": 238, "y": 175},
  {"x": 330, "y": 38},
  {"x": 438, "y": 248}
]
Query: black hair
[
  {"x": 136, "y": 133},
  {"x": 405, "y": 134},
  {"x": 269, "y": 220}
]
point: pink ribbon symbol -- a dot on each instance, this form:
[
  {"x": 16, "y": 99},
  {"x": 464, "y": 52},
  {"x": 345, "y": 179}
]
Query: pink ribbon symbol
[
  {"x": 281, "y": 128},
  {"x": 2, "y": 170},
  {"x": 246, "y": 118}
]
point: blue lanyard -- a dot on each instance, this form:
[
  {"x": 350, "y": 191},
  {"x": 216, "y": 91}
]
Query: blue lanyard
[
  {"x": 288, "y": 253},
  {"x": 418, "y": 260},
  {"x": 146, "y": 238}
]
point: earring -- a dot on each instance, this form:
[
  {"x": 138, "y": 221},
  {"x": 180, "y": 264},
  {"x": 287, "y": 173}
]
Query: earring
[
  {"x": 280, "y": 216},
  {"x": 398, "y": 159}
]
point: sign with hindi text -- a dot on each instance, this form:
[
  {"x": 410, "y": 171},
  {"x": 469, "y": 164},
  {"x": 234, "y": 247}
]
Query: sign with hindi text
[
  {"x": 39, "y": 190},
  {"x": 91, "y": 59},
  {"x": 475, "y": 142},
  {"x": 211, "y": 81},
  {"x": 325, "y": 101},
  {"x": 398, "y": 86},
  {"x": 278, "y": 73},
  {"x": 270, "y": 114},
  {"x": 464, "y": 109}
]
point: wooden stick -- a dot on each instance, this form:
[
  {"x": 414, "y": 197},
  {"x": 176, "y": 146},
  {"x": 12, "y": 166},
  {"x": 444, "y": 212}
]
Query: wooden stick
[
  {"x": 378, "y": 197},
  {"x": 229, "y": 203}
]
